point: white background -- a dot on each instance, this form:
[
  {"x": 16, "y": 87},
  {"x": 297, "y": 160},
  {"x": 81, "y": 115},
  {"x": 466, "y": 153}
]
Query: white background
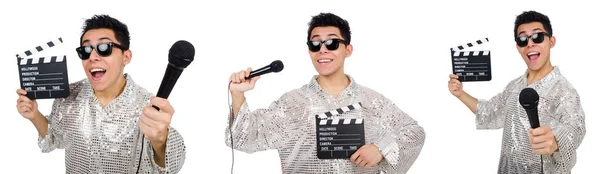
[{"x": 401, "y": 50}]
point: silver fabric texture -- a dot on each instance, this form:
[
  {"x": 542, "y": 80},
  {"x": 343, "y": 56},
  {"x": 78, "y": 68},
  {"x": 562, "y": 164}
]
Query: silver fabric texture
[
  {"x": 288, "y": 125},
  {"x": 106, "y": 140},
  {"x": 559, "y": 107}
]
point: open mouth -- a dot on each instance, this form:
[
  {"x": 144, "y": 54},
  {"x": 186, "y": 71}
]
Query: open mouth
[
  {"x": 534, "y": 55},
  {"x": 97, "y": 73},
  {"x": 324, "y": 60}
]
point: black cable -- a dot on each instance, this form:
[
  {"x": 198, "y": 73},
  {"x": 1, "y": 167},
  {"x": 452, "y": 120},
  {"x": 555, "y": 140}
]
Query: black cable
[
  {"x": 141, "y": 153},
  {"x": 230, "y": 122},
  {"x": 142, "y": 150},
  {"x": 230, "y": 134},
  {"x": 542, "y": 163}
]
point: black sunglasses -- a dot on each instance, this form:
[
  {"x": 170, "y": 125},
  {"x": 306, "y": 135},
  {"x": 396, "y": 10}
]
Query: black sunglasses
[
  {"x": 522, "y": 41},
  {"x": 103, "y": 49},
  {"x": 330, "y": 44}
]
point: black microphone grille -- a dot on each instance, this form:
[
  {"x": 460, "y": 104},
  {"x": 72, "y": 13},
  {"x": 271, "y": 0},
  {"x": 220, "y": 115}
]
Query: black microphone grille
[
  {"x": 277, "y": 66},
  {"x": 181, "y": 54},
  {"x": 528, "y": 98}
]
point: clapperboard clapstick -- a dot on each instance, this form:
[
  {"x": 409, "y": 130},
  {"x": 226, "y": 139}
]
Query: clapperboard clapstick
[
  {"x": 471, "y": 65},
  {"x": 339, "y": 138},
  {"x": 43, "y": 77}
]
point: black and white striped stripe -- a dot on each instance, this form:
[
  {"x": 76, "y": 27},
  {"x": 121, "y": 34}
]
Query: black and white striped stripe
[
  {"x": 340, "y": 110},
  {"x": 37, "y": 60},
  {"x": 351, "y": 121},
  {"x": 468, "y": 45},
  {"x": 470, "y": 53},
  {"x": 40, "y": 48}
]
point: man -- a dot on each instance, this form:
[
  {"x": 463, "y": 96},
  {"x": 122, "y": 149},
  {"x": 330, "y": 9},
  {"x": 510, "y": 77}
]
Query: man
[
  {"x": 101, "y": 123},
  {"x": 393, "y": 140},
  {"x": 561, "y": 117}
]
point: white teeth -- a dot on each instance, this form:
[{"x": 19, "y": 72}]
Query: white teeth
[
  {"x": 532, "y": 53},
  {"x": 324, "y": 60},
  {"x": 97, "y": 70}
]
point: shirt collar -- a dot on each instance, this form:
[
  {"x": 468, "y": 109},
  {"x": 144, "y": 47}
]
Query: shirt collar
[
  {"x": 314, "y": 87},
  {"x": 126, "y": 94},
  {"x": 542, "y": 85}
]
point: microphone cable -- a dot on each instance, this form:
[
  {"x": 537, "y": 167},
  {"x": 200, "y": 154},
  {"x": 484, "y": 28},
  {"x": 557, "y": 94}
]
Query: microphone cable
[
  {"x": 542, "y": 163},
  {"x": 230, "y": 123},
  {"x": 141, "y": 153},
  {"x": 142, "y": 149},
  {"x": 230, "y": 134}
]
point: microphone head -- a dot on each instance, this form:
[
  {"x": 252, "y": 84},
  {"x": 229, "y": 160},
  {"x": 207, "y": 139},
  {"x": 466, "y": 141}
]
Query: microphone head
[
  {"x": 528, "y": 98},
  {"x": 276, "y": 66},
  {"x": 181, "y": 54}
]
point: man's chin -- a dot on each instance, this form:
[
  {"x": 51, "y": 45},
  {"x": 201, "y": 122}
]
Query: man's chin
[
  {"x": 534, "y": 67},
  {"x": 98, "y": 88},
  {"x": 97, "y": 85}
]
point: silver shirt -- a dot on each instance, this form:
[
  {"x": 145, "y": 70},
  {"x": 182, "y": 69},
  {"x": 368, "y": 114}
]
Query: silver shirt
[
  {"x": 559, "y": 107},
  {"x": 106, "y": 140},
  {"x": 288, "y": 125}
]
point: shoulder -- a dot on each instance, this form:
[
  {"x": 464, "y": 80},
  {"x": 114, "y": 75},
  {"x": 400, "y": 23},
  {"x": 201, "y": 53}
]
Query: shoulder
[
  {"x": 371, "y": 92},
  {"x": 513, "y": 83},
  {"x": 139, "y": 93},
  {"x": 372, "y": 98},
  {"x": 563, "y": 86},
  {"x": 294, "y": 94}
]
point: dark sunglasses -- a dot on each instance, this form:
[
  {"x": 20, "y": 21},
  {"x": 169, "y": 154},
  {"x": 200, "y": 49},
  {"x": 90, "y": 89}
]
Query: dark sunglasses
[
  {"x": 537, "y": 38},
  {"x": 330, "y": 44},
  {"x": 103, "y": 49}
]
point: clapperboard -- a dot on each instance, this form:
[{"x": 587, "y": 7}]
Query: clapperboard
[
  {"x": 43, "y": 77},
  {"x": 339, "y": 138},
  {"x": 471, "y": 65}
]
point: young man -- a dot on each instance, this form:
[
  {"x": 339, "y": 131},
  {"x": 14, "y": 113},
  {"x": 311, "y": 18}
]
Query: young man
[
  {"x": 101, "y": 123},
  {"x": 561, "y": 117},
  {"x": 393, "y": 140}
]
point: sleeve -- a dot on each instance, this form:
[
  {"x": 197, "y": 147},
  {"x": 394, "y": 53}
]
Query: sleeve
[
  {"x": 174, "y": 154},
  {"x": 54, "y": 135},
  {"x": 258, "y": 130},
  {"x": 490, "y": 113},
  {"x": 401, "y": 139},
  {"x": 569, "y": 131}
]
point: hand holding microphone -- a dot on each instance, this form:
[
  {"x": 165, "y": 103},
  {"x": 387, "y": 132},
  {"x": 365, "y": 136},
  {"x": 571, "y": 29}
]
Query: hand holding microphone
[
  {"x": 542, "y": 139},
  {"x": 155, "y": 119},
  {"x": 243, "y": 81},
  {"x": 239, "y": 84}
]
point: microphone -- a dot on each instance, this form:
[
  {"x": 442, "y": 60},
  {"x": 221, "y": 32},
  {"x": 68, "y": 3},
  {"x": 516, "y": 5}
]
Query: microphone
[
  {"x": 181, "y": 55},
  {"x": 529, "y": 98},
  {"x": 275, "y": 67}
]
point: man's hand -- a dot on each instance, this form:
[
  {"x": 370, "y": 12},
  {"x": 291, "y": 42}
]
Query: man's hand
[
  {"x": 543, "y": 141},
  {"x": 155, "y": 126},
  {"x": 454, "y": 86},
  {"x": 366, "y": 156},
  {"x": 27, "y": 108},
  {"x": 237, "y": 86}
]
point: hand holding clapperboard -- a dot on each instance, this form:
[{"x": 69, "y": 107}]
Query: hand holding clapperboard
[
  {"x": 43, "y": 77},
  {"x": 471, "y": 65}
]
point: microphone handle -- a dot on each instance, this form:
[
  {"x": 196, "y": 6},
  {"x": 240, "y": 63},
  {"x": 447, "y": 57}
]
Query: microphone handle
[
  {"x": 169, "y": 79},
  {"x": 259, "y": 72},
  {"x": 533, "y": 118}
]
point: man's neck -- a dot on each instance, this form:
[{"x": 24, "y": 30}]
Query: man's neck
[
  {"x": 535, "y": 76},
  {"x": 334, "y": 84},
  {"x": 111, "y": 93}
]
